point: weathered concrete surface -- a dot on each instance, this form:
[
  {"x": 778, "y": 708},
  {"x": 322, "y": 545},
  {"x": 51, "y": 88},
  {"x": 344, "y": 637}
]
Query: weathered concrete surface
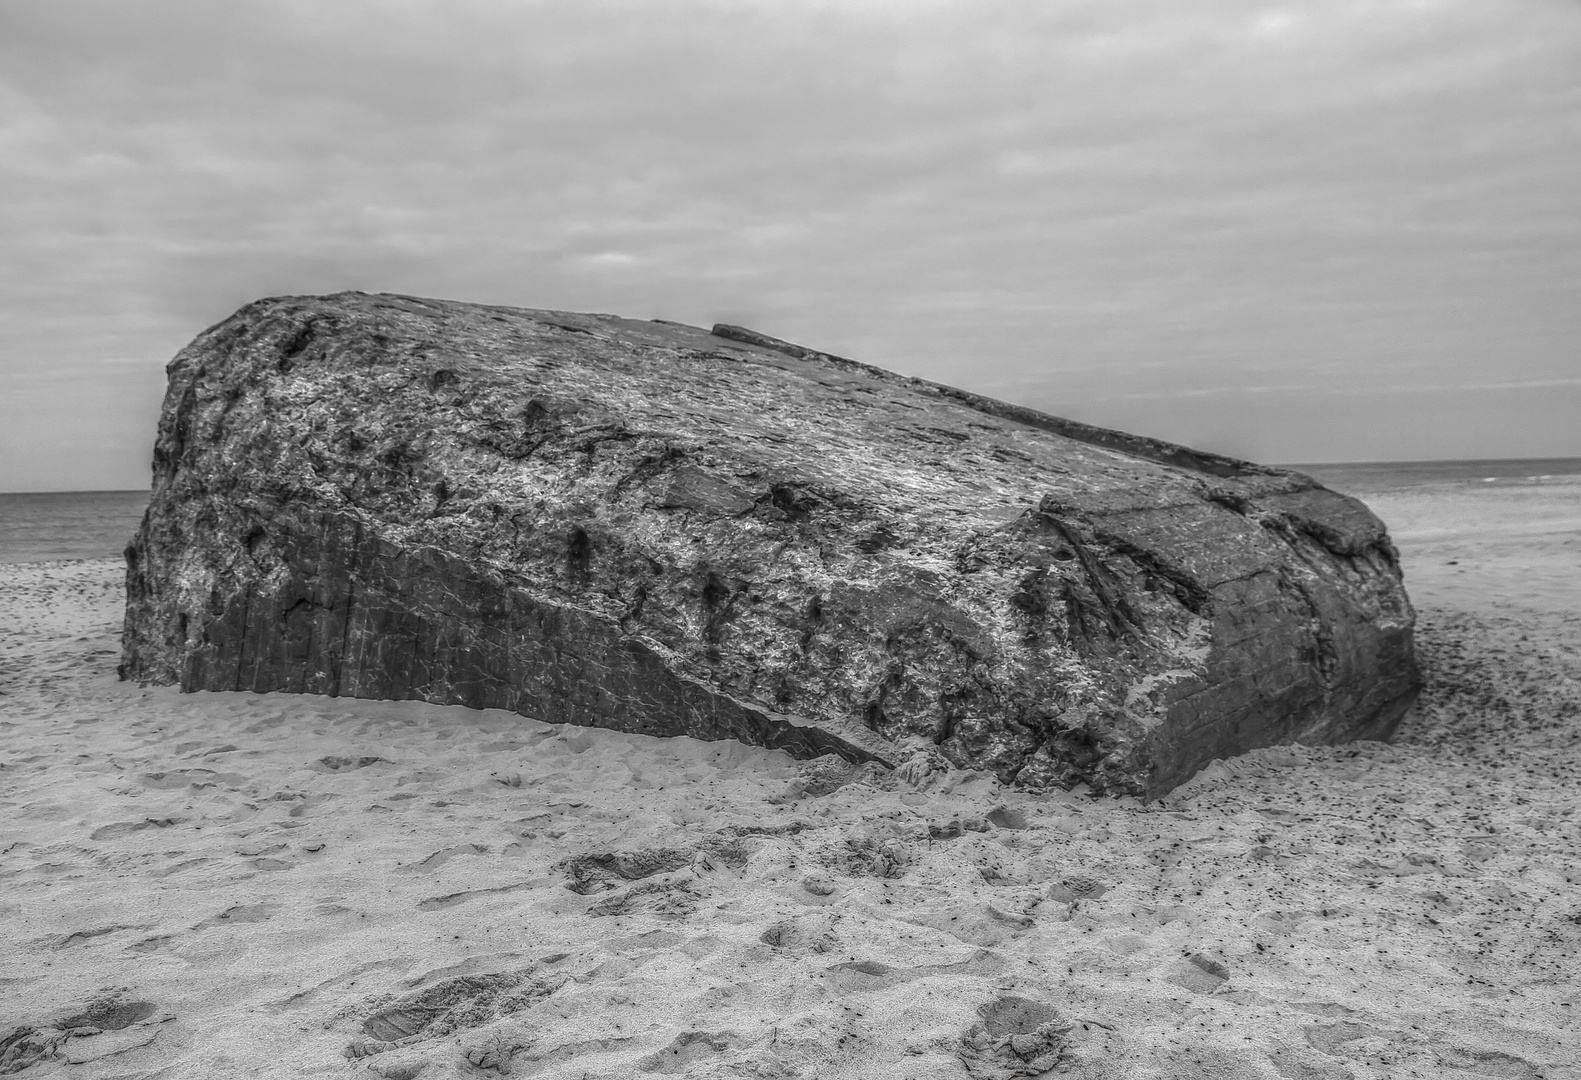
[{"x": 646, "y": 526}]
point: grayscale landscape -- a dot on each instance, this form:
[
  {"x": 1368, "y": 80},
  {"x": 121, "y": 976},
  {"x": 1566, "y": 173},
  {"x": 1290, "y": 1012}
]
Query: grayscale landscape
[{"x": 790, "y": 540}]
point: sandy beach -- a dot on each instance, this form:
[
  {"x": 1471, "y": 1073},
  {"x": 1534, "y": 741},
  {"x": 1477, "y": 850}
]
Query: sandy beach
[{"x": 217, "y": 885}]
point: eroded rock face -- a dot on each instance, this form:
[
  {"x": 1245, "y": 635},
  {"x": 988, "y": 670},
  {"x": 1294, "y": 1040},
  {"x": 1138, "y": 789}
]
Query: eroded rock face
[{"x": 650, "y": 527}]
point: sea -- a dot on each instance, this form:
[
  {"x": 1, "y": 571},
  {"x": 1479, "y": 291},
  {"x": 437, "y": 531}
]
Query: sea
[
  {"x": 43, "y": 526},
  {"x": 1376, "y": 477}
]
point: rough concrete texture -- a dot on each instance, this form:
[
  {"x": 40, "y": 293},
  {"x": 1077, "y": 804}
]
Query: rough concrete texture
[{"x": 651, "y": 527}]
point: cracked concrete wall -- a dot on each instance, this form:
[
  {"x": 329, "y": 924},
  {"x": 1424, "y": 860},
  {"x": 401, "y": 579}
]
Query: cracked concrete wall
[{"x": 651, "y": 527}]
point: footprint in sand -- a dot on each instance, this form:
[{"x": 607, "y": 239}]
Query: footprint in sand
[
  {"x": 1327, "y": 1009},
  {"x": 971, "y": 923},
  {"x": 829, "y": 773},
  {"x": 404, "y": 1069},
  {"x": 867, "y": 855},
  {"x": 818, "y": 885},
  {"x": 1126, "y": 944},
  {"x": 1009, "y": 916},
  {"x": 801, "y": 935},
  {"x": 1200, "y": 974},
  {"x": 96, "y": 1046},
  {"x": 541, "y": 1061},
  {"x": 439, "y": 858},
  {"x": 123, "y": 828},
  {"x": 667, "y": 896},
  {"x": 451, "y": 1005},
  {"x": 178, "y": 779},
  {"x": 239, "y": 913},
  {"x": 604, "y": 871},
  {"x": 361, "y": 1048},
  {"x": 110, "y": 1012},
  {"x": 688, "y": 1051},
  {"x": 1006, "y": 818},
  {"x": 110, "y": 1024},
  {"x": 956, "y": 827},
  {"x": 996, "y": 866},
  {"x": 1331, "y": 1038},
  {"x": 1170, "y": 913},
  {"x": 1478, "y": 1063},
  {"x": 1300, "y": 1063},
  {"x": 255, "y": 848},
  {"x": 79, "y": 936},
  {"x": 434, "y": 903},
  {"x": 1283, "y": 923},
  {"x": 1075, "y": 889},
  {"x": 496, "y": 1046},
  {"x": 336, "y": 763},
  {"x": 866, "y": 976},
  {"x": 1015, "y": 1037}
]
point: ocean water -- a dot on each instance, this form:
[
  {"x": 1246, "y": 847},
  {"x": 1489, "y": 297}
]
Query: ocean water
[
  {"x": 1372, "y": 477},
  {"x": 39, "y": 526},
  {"x": 36, "y": 527}
]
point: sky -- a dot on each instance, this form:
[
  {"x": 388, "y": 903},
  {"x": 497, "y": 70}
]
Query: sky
[{"x": 1339, "y": 230}]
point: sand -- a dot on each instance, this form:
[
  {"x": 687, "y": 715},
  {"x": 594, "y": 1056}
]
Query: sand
[{"x": 215, "y": 885}]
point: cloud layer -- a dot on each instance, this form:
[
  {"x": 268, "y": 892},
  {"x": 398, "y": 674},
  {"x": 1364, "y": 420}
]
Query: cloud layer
[{"x": 1250, "y": 226}]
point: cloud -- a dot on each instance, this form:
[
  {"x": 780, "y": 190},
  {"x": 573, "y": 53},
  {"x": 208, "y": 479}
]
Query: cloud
[{"x": 1081, "y": 199}]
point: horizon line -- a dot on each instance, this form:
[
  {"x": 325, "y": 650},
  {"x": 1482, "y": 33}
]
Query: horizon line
[{"x": 1294, "y": 465}]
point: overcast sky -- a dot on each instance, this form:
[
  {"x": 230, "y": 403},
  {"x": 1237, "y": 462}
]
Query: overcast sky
[{"x": 1337, "y": 230}]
